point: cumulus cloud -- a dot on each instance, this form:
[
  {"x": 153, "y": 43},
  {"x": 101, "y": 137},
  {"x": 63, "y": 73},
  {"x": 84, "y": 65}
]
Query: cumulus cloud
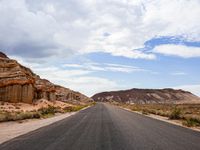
[
  {"x": 46, "y": 31},
  {"x": 62, "y": 28},
  {"x": 178, "y": 50}
]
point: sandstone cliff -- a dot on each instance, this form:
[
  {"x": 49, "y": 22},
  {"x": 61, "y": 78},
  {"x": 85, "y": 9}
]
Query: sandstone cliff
[
  {"x": 145, "y": 96},
  {"x": 20, "y": 84},
  {"x": 16, "y": 81}
]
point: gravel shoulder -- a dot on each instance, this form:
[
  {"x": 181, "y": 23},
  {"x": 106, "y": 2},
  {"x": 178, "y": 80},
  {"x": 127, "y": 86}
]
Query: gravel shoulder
[{"x": 10, "y": 130}]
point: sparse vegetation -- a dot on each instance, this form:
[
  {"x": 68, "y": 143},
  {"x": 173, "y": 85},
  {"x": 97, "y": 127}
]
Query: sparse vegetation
[
  {"x": 144, "y": 112},
  {"x": 192, "y": 121},
  {"x": 74, "y": 108},
  {"x": 175, "y": 114},
  {"x": 50, "y": 110},
  {"x": 189, "y": 114},
  {"x": 43, "y": 112},
  {"x": 15, "y": 116}
]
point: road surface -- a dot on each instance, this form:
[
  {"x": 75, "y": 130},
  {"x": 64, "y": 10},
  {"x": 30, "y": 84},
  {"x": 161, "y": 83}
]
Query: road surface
[{"x": 106, "y": 127}]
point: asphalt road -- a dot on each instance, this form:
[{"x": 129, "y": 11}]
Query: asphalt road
[{"x": 106, "y": 127}]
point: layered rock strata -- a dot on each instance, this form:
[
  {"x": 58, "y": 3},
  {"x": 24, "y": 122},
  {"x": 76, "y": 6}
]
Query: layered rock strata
[
  {"x": 20, "y": 84},
  {"x": 147, "y": 96}
]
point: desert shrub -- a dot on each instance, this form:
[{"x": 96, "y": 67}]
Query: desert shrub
[
  {"x": 4, "y": 116},
  {"x": 8, "y": 116},
  {"x": 151, "y": 111},
  {"x": 175, "y": 114},
  {"x": 191, "y": 122},
  {"x": 73, "y": 108},
  {"x": 135, "y": 108},
  {"x": 163, "y": 113},
  {"x": 47, "y": 110},
  {"x": 145, "y": 112}
]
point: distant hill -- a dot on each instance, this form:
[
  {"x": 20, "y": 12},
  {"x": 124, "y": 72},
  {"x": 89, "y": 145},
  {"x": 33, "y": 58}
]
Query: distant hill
[{"x": 146, "y": 96}]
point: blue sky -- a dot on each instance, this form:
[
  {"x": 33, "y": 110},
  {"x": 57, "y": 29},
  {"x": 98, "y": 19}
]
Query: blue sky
[{"x": 94, "y": 46}]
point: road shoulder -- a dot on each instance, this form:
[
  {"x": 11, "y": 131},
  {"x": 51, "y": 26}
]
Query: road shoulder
[
  {"x": 164, "y": 119},
  {"x": 10, "y": 130}
]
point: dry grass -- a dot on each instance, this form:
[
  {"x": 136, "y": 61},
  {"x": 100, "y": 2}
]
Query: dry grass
[
  {"x": 43, "y": 112},
  {"x": 188, "y": 113}
]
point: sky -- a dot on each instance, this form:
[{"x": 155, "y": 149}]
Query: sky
[{"x": 102, "y": 45}]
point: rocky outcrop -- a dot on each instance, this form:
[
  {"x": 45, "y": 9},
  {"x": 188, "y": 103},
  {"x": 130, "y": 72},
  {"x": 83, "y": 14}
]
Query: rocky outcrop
[
  {"x": 145, "y": 96},
  {"x": 16, "y": 81},
  {"x": 20, "y": 84},
  {"x": 2, "y": 55},
  {"x": 67, "y": 95},
  {"x": 44, "y": 89}
]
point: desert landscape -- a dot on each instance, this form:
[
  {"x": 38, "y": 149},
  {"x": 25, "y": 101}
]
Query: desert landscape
[
  {"x": 29, "y": 103},
  {"x": 174, "y": 105},
  {"x": 99, "y": 75},
  {"x": 24, "y": 95}
]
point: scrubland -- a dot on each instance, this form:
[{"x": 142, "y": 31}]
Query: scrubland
[{"x": 188, "y": 114}]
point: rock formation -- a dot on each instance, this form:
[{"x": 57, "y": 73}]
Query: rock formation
[
  {"x": 16, "y": 81},
  {"x": 145, "y": 96},
  {"x": 2, "y": 55},
  {"x": 20, "y": 84},
  {"x": 67, "y": 95}
]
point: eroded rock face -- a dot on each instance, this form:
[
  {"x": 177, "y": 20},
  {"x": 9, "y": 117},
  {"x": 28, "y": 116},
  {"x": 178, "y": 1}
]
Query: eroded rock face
[
  {"x": 20, "y": 84},
  {"x": 146, "y": 96},
  {"x": 44, "y": 89},
  {"x": 67, "y": 95},
  {"x": 16, "y": 81}
]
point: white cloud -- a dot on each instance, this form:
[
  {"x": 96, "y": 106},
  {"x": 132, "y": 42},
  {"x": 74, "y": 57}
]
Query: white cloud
[
  {"x": 194, "y": 88},
  {"x": 79, "y": 80},
  {"x": 43, "y": 28},
  {"x": 178, "y": 73},
  {"x": 105, "y": 67},
  {"x": 178, "y": 50},
  {"x": 89, "y": 85}
]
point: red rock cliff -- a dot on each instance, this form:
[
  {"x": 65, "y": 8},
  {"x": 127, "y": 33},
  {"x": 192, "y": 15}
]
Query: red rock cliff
[{"x": 20, "y": 84}]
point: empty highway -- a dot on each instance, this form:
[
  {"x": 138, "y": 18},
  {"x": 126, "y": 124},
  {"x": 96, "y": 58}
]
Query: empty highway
[{"x": 107, "y": 127}]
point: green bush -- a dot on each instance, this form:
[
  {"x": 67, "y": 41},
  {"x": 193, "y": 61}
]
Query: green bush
[{"x": 175, "y": 114}]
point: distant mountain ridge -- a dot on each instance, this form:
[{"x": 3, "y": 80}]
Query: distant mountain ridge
[{"x": 145, "y": 96}]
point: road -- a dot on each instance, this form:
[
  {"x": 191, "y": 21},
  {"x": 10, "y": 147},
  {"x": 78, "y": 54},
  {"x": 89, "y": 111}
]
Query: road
[{"x": 106, "y": 127}]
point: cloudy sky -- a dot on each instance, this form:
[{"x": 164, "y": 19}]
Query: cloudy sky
[{"x": 99, "y": 45}]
